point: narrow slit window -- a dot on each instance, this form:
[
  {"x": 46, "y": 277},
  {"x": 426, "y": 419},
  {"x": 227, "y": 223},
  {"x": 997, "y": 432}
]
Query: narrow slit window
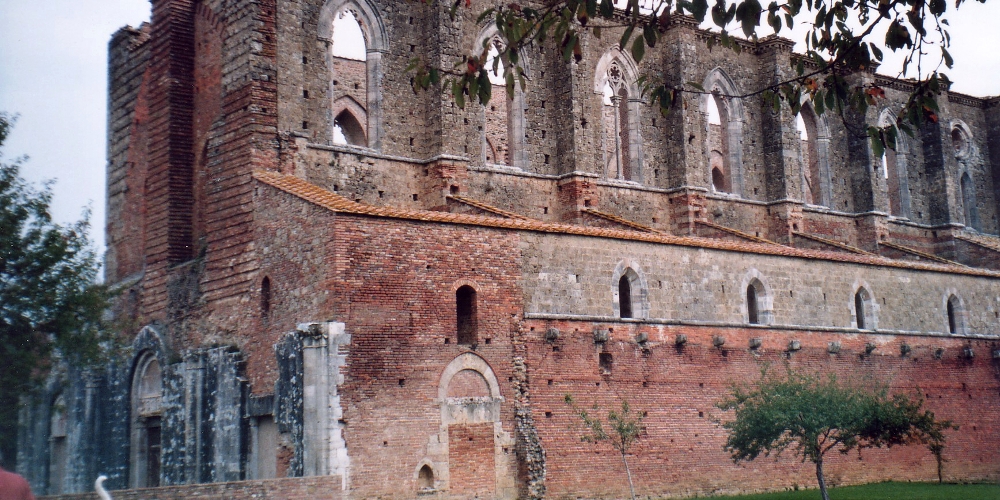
[
  {"x": 956, "y": 316},
  {"x": 625, "y": 297},
  {"x": 859, "y": 308},
  {"x": 465, "y": 305},
  {"x": 265, "y": 297},
  {"x": 753, "y": 317},
  {"x": 952, "y": 325}
]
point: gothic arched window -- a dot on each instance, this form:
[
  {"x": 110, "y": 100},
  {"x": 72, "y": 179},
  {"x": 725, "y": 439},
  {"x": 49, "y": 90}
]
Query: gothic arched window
[
  {"x": 864, "y": 310},
  {"x": 616, "y": 83},
  {"x": 815, "y": 160},
  {"x": 894, "y": 170},
  {"x": 724, "y": 116},
  {"x": 969, "y": 209},
  {"x": 356, "y": 40}
]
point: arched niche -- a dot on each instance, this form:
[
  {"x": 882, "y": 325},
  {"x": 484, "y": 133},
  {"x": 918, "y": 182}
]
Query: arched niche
[
  {"x": 732, "y": 116},
  {"x": 376, "y": 45}
]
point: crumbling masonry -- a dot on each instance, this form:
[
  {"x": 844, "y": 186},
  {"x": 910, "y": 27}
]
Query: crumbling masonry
[{"x": 368, "y": 291}]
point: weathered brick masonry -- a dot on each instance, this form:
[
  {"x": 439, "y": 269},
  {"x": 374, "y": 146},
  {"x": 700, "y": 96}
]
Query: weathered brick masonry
[{"x": 403, "y": 314}]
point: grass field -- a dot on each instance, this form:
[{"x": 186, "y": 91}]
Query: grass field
[{"x": 889, "y": 491}]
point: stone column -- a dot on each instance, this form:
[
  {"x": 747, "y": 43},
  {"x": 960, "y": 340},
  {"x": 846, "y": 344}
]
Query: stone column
[{"x": 324, "y": 353}]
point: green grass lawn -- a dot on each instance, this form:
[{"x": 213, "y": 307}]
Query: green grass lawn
[{"x": 890, "y": 491}]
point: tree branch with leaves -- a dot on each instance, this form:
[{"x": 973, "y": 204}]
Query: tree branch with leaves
[
  {"x": 814, "y": 414},
  {"x": 840, "y": 40},
  {"x": 625, "y": 427}
]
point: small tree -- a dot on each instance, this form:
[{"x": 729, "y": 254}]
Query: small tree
[
  {"x": 626, "y": 427},
  {"x": 812, "y": 415}
]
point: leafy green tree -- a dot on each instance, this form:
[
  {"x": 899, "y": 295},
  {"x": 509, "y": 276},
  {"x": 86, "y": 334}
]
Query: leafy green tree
[
  {"x": 625, "y": 429},
  {"x": 812, "y": 415},
  {"x": 50, "y": 302},
  {"x": 842, "y": 37}
]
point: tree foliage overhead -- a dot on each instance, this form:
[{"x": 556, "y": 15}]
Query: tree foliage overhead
[
  {"x": 841, "y": 37},
  {"x": 50, "y": 301},
  {"x": 813, "y": 415}
]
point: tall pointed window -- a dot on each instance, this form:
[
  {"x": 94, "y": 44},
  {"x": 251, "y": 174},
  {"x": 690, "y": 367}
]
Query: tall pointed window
[
  {"x": 503, "y": 122},
  {"x": 497, "y": 120},
  {"x": 814, "y": 135},
  {"x": 724, "y": 115},
  {"x": 466, "y": 312},
  {"x": 350, "y": 80},
  {"x": 616, "y": 83},
  {"x": 356, "y": 39},
  {"x": 617, "y": 123},
  {"x": 147, "y": 404},
  {"x": 894, "y": 170},
  {"x": 717, "y": 146},
  {"x": 969, "y": 209}
]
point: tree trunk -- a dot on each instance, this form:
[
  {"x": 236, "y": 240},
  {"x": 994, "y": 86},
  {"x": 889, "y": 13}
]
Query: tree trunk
[
  {"x": 628, "y": 472},
  {"x": 940, "y": 465},
  {"x": 822, "y": 482}
]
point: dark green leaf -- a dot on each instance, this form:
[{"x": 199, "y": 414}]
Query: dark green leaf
[{"x": 638, "y": 49}]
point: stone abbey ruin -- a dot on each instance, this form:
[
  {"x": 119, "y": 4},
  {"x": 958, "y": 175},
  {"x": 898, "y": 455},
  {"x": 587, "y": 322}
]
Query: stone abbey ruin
[{"x": 335, "y": 287}]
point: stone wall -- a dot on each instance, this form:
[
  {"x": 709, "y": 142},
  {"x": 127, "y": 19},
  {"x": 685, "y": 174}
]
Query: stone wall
[
  {"x": 327, "y": 487},
  {"x": 575, "y": 276}
]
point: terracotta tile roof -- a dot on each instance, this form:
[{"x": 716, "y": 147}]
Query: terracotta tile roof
[
  {"x": 736, "y": 232},
  {"x": 918, "y": 253},
  {"x": 336, "y": 203},
  {"x": 832, "y": 243},
  {"x": 486, "y": 208},
  {"x": 621, "y": 220},
  {"x": 987, "y": 243}
]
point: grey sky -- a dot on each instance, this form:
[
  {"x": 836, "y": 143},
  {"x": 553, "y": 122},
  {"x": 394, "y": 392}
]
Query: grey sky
[{"x": 53, "y": 72}]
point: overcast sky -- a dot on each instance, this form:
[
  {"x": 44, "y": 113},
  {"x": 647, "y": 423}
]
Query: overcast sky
[{"x": 53, "y": 72}]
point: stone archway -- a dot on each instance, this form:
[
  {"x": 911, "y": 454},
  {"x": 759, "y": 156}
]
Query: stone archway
[{"x": 471, "y": 453}]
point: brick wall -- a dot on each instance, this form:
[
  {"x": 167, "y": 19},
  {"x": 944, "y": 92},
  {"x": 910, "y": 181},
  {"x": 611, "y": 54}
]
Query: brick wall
[
  {"x": 681, "y": 451},
  {"x": 470, "y": 451}
]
